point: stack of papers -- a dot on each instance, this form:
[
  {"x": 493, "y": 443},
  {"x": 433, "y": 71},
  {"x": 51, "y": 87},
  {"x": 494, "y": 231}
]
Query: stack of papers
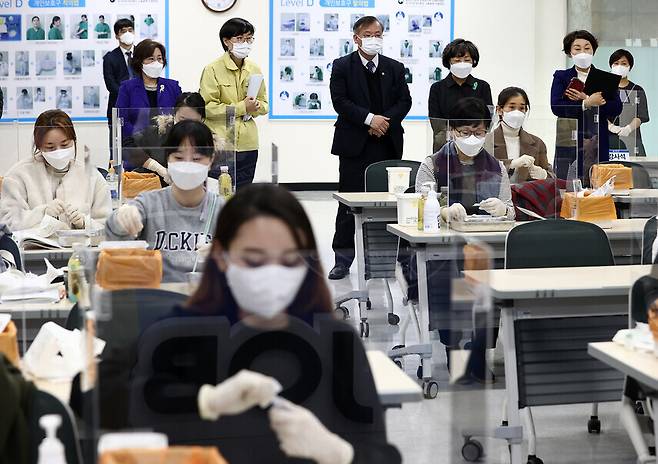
[{"x": 32, "y": 295}]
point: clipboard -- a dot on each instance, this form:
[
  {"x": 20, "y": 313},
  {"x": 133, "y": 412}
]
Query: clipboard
[
  {"x": 604, "y": 82},
  {"x": 255, "y": 81}
]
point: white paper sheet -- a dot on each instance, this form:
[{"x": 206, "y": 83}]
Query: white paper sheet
[{"x": 255, "y": 81}]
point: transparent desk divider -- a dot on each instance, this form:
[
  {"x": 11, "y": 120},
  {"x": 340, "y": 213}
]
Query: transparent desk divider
[
  {"x": 141, "y": 134},
  {"x": 10, "y": 143}
]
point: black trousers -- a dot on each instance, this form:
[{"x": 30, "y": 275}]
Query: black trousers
[{"x": 351, "y": 178}]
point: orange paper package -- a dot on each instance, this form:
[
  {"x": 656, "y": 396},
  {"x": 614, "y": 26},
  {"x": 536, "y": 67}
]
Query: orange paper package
[
  {"x": 588, "y": 208},
  {"x": 9, "y": 343},
  {"x": 601, "y": 173},
  {"x": 134, "y": 183},
  {"x": 129, "y": 268},
  {"x": 173, "y": 455}
]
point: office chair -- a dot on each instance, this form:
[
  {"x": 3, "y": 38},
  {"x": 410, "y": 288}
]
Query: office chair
[
  {"x": 8, "y": 244},
  {"x": 641, "y": 177},
  {"x": 648, "y": 237}
]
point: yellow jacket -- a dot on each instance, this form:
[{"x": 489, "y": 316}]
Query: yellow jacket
[{"x": 224, "y": 84}]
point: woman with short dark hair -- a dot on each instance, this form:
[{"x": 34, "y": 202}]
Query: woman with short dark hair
[
  {"x": 148, "y": 94},
  {"x": 574, "y": 108},
  {"x": 624, "y": 131},
  {"x": 224, "y": 84},
  {"x": 460, "y": 57}
]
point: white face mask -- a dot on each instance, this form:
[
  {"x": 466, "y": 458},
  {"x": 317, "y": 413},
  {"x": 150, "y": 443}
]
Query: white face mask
[
  {"x": 372, "y": 45},
  {"x": 153, "y": 70},
  {"x": 241, "y": 50},
  {"x": 583, "y": 60},
  {"x": 620, "y": 70},
  {"x": 514, "y": 119},
  {"x": 59, "y": 159},
  {"x": 461, "y": 69},
  {"x": 265, "y": 290},
  {"x": 470, "y": 146},
  {"x": 127, "y": 38},
  {"x": 188, "y": 175}
]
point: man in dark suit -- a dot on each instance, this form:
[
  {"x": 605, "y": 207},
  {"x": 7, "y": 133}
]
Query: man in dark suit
[
  {"x": 371, "y": 97},
  {"x": 116, "y": 65}
]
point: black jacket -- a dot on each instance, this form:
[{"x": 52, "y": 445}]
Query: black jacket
[
  {"x": 115, "y": 72},
  {"x": 350, "y": 97}
]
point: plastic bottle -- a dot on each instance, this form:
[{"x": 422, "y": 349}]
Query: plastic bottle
[
  {"x": 225, "y": 183},
  {"x": 431, "y": 213},
  {"x": 424, "y": 189},
  {"x": 113, "y": 184},
  {"x": 51, "y": 450},
  {"x": 76, "y": 274}
]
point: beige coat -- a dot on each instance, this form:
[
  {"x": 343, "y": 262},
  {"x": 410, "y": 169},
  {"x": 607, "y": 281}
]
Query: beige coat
[{"x": 27, "y": 189}]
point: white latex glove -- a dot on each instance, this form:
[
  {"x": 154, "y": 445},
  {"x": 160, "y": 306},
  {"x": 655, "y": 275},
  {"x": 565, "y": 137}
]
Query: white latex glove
[
  {"x": 537, "y": 172},
  {"x": 454, "y": 212},
  {"x": 130, "y": 220},
  {"x": 55, "y": 208},
  {"x": 75, "y": 217},
  {"x": 522, "y": 161},
  {"x": 203, "y": 250},
  {"x": 302, "y": 435},
  {"x": 237, "y": 394},
  {"x": 625, "y": 131},
  {"x": 654, "y": 250},
  {"x": 153, "y": 165},
  {"x": 494, "y": 207},
  {"x": 613, "y": 128}
]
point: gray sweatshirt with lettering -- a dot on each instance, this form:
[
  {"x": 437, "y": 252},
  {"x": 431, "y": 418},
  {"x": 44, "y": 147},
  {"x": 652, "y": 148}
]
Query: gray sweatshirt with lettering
[{"x": 171, "y": 228}]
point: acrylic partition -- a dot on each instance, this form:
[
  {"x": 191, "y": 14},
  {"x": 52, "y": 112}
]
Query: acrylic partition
[
  {"x": 162, "y": 347},
  {"x": 141, "y": 134}
]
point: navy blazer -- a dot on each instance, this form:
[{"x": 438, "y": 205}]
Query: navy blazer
[
  {"x": 563, "y": 107},
  {"x": 351, "y": 100},
  {"x": 133, "y": 100},
  {"x": 115, "y": 72}
]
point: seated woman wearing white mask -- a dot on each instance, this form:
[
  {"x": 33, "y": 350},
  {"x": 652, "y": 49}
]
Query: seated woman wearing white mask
[
  {"x": 523, "y": 154},
  {"x": 472, "y": 175},
  {"x": 54, "y": 181},
  {"x": 264, "y": 276},
  {"x": 179, "y": 219}
]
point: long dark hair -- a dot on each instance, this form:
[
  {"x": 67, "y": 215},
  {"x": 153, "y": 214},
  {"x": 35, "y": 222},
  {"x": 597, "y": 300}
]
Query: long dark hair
[{"x": 262, "y": 200}]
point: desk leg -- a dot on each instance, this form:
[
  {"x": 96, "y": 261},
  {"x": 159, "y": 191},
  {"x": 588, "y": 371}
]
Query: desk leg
[
  {"x": 511, "y": 383},
  {"x": 424, "y": 308},
  {"x": 362, "y": 289}
]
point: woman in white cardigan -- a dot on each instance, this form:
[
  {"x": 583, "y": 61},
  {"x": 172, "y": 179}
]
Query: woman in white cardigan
[{"x": 54, "y": 181}]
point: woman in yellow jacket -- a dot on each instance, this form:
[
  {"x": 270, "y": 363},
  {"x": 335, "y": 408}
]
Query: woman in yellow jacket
[{"x": 224, "y": 83}]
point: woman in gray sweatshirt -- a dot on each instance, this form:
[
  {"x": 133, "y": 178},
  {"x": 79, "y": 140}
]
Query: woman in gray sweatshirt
[{"x": 180, "y": 219}]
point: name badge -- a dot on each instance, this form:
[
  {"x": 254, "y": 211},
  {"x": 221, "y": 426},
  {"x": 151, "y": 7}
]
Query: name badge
[{"x": 619, "y": 155}]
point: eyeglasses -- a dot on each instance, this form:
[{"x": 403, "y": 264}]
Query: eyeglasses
[
  {"x": 480, "y": 133},
  {"x": 248, "y": 40}
]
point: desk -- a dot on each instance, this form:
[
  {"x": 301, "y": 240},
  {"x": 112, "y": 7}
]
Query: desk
[
  {"x": 640, "y": 203},
  {"x": 541, "y": 300},
  {"x": 641, "y": 366},
  {"x": 33, "y": 259},
  {"x": 29, "y": 317}
]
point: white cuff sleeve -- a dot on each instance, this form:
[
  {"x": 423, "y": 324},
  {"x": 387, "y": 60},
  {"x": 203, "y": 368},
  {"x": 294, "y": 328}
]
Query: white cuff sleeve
[{"x": 369, "y": 119}]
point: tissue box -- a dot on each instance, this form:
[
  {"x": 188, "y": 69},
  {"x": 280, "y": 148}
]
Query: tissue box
[
  {"x": 173, "y": 455},
  {"x": 592, "y": 209},
  {"x": 9, "y": 343},
  {"x": 129, "y": 268},
  {"x": 601, "y": 173}
]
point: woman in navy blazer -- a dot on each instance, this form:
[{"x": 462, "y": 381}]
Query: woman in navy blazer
[
  {"x": 148, "y": 91},
  {"x": 573, "y": 104}
]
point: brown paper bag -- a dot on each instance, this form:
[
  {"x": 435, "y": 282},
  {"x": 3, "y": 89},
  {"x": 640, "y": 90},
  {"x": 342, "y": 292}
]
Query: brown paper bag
[
  {"x": 9, "y": 343},
  {"x": 173, "y": 455},
  {"x": 591, "y": 209},
  {"x": 129, "y": 268},
  {"x": 601, "y": 173},
  {"x": 134, "y": 183}
]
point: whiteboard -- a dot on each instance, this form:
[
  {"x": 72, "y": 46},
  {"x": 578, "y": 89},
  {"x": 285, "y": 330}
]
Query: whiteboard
[
  {"x": 66, "y": 72},
  {"x": 307, "y": 35}
]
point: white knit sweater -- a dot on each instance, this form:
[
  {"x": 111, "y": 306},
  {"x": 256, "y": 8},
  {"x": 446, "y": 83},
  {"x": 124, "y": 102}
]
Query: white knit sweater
[{"x": 28, "y": 187}]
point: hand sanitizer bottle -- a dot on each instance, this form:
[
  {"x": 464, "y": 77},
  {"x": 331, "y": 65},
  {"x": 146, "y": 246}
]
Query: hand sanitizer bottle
[
  {"x": 51, "y": 450},
  {"x": 431, "y": 213}
]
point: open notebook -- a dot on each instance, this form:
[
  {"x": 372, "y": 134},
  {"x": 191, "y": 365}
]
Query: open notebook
[{"x": 40, "y": 236}]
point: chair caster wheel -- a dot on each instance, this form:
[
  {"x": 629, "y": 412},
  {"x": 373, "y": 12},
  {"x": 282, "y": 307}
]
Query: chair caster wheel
[
  {"x": 364, "y": 329},
  {"x": 393, "y": 319},
  {"x": 532, "y": 459},
  {"x": 398, "y": 363},
  {"x": 430, "y": 389},
  {"x": 345, "y": 312},
  {"x": 419, "y": 372},
  {"x": 368, "y": 304},
  {"x": 594, "y": 425},
  {"x": 472, "y": 450}
]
